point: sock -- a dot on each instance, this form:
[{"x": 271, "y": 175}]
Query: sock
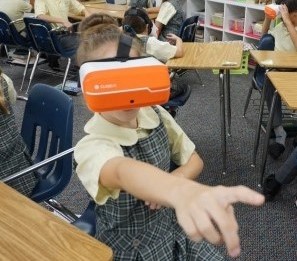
[{"x": 280, "y": 135}]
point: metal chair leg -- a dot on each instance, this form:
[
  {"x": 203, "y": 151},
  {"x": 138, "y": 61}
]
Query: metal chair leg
[
  {"x": 33, "y": 72},
  {"x": 247, "y": 102},
  {"x": 199, "y": 78},
  {"x": 267, "y": 136},
  {"x": 66, "y": 73},
  {"x": 26, "y": 68}
]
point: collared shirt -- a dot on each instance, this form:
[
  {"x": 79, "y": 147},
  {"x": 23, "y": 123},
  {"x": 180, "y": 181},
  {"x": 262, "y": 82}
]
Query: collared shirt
[
  {"x": 163, "y": 51},
  {"x": 58, "y": 8},
  {"x": 15, "y": 9},
  {"x": 104, "y": 141},
  {"x": 167, "y": 11},
  {"x": 283, "y": 40}
]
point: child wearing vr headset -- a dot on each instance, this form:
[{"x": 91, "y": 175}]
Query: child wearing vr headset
[
  {"x": 137, "y": 20},
  {"x": 145, "y": 211}
]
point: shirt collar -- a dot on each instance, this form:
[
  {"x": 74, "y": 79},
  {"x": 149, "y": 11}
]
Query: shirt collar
[{"x": 147, "y": 119}]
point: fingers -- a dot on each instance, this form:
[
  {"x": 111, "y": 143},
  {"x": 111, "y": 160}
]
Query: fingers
[
  {"x": 240, "y": 194},
  {"x": 227, "y": 225}
]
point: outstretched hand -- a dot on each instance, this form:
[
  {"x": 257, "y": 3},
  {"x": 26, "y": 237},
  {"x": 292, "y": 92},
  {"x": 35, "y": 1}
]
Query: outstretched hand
[{"x": 209, "y": 214}]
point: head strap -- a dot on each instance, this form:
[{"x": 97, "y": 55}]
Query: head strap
[{"x": 124, "y": 47}]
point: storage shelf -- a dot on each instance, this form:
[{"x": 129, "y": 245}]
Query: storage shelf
[{"x": 231, "y": 10}]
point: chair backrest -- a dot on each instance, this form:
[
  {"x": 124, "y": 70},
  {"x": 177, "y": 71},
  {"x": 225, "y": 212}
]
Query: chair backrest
[
  {"x": 47, "y": 130},
  {"x": 5, "y": 35},
  {"x": 40, "y": 35},
  {"x": 188, "y": 29}
]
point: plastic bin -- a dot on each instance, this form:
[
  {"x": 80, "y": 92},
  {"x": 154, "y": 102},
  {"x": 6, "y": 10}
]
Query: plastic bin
[
  {"x": 217, "y": 19},
  {"x": 257, "y": 29},
  {"x": 236, "y": 25}
]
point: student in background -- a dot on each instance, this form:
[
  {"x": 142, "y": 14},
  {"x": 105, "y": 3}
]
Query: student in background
[
  {"x": 169, "y": 19},
  {"x": 56, "y": 12},
  {"x": 284, "y": 175},
  {"x": 15, "y": 9},
  {"x": 285, "y": 36},
  {"x": 13, "y": 153},
  {"x": 143, "y": 210},
  {"x": 141, "y": 3},
  {"x": 138, "y": 20}
]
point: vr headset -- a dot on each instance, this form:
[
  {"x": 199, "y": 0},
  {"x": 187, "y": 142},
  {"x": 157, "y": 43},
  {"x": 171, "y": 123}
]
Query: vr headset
[{"x": 123, "y": 83}]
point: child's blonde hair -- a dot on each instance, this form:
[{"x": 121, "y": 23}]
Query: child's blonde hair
[{"x": 95, "y": 35}]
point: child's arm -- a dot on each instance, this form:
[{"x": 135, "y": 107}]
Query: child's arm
[
  {"x": 288, "y": 23},
  {"x": 266, "y": 25},
  {"x": 178, "y": 42},
  {"x": 197, "y": 206},
  {"x": 191, "y": 169}
]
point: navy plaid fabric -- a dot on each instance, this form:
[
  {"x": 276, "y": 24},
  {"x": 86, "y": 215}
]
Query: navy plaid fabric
[
  {"x": 174, "y": 24},
  {"x": 13, "y": 154},
  {"x": 135, "y": 232}
]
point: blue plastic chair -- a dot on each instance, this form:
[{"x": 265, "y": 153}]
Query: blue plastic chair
[
  {"x": 173, "y": 104},
  {"x": 47, "y": 129},
  {"x": 266, "y": 43},
  {"x": 45, "y": 41},
  {"x": 9, "y": 36},
  {"x": 188, "y": 29}
]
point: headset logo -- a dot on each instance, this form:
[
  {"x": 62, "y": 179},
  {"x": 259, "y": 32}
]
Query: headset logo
[{"x": 105, "y": 86}]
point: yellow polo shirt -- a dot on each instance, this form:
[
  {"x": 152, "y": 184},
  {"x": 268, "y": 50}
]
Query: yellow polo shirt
[
  {"x": 58, "y": 8},
  {"x": 283, "y": 40},
  {"x": 104, "y": 141}
]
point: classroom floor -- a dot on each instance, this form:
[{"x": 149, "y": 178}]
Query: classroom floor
[{"x": 268, "y": 232}]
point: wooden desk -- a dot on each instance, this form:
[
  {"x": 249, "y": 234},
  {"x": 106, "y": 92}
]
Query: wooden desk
[
  {"x": 116, "y": 11},
  {"x": 275, "y": 59},
  {"x": 269, "y": 60},
  {"x": 30, "y": 232},
  {"x": 285, "y": 88},
  {"x": 214, "y": 55}
]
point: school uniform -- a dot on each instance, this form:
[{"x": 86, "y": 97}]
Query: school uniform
[
  {"x": 171, "y": 16},
  {"x": 125, "y": 223},
  {"x": 13, "y": 153}
]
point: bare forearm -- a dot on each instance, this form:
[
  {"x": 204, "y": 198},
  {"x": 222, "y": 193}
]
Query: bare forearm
[
  {"x": 51, "y": 19},
  {"x": 191, "y": 169},
  {"x": 266, "y": 25},
  {"x": 179, "y": 46},
  {"x": 142, "y": 180}
]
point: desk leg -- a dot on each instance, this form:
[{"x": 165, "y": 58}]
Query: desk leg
[
  {"x": 223, "y": 119},
  {"x": 257, "y": 135},
  {"x": 228, "y": 101},
  {"x": 267, "y": 136}
]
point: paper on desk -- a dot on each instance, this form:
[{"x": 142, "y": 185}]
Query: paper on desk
[{"x": 267, "y": 62}]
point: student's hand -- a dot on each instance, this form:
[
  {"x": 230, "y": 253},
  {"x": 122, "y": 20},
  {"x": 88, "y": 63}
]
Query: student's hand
[
  {"x": 208, "y": 213},
  {"x": 172, "y": 38},
  {"x": 67, "y": 24},
  {"x": 285, "y": 14},
  {"x": 152, "y": 206}
]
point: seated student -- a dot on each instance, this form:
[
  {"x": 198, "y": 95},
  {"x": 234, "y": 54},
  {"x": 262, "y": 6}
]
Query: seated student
[
  {"x": 287, "y": 172},
  {"x": 15, "y": 9},
  {"x": 13, "y": 153},
  {"x": 285, "y": 36},
  {"x": 138, "y": 20},
  {"x": 56, "y": 12},
  {"x": 144, "y": 211},
  {"x": 169, "y": 19},
  {"x": 141, "y": 3}
]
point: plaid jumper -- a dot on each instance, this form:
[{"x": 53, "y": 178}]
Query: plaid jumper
[
  {"x": 13, "y": 153},
  {"x": 135, "y": 232},
  {"x": 174, "y": 23}
]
